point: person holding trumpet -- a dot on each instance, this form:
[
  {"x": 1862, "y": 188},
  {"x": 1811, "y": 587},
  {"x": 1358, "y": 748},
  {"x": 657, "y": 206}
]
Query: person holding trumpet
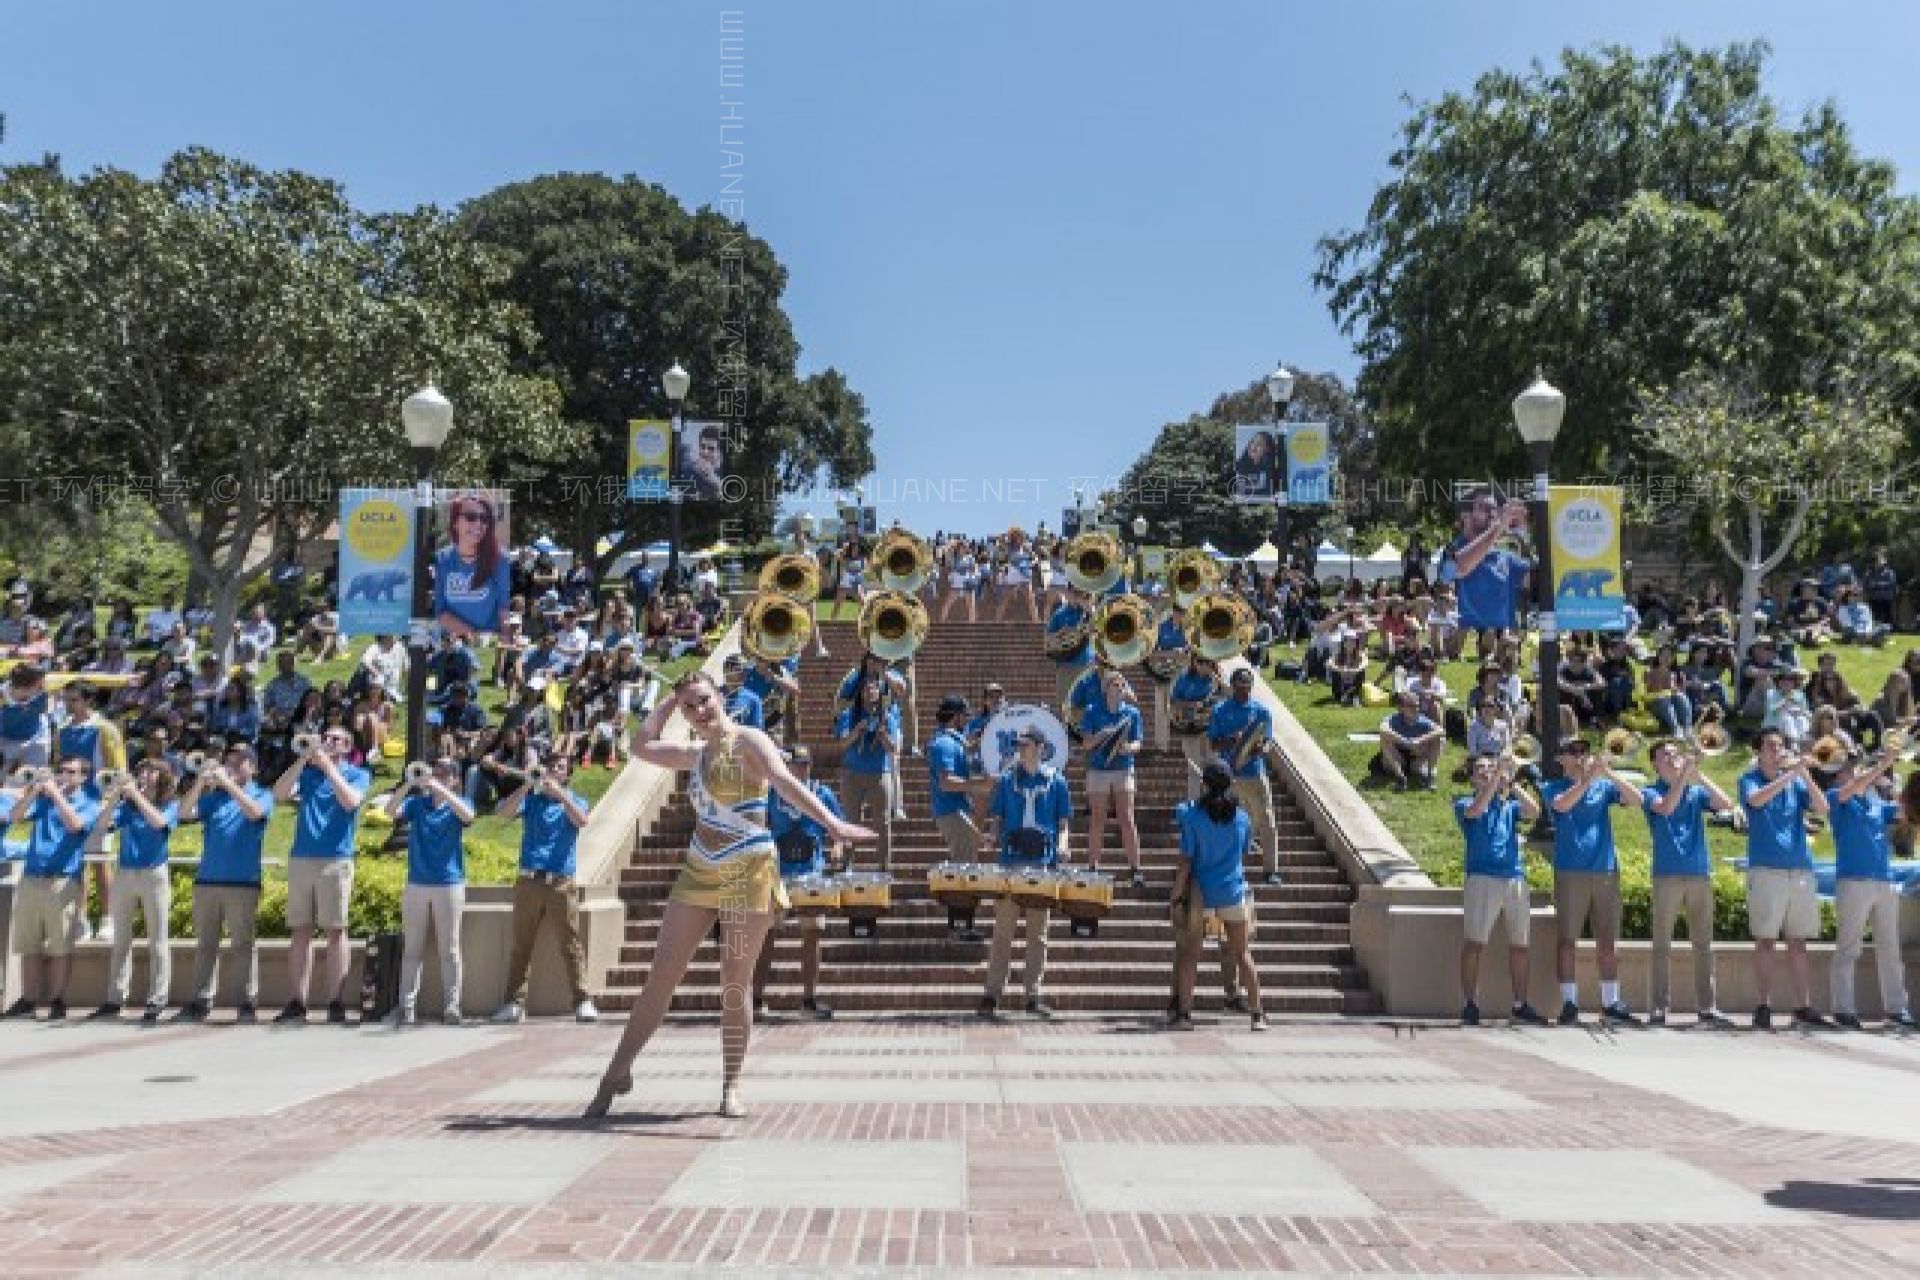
[
  {"x": 143, "y": 811},
  {"x": 1863, "y": 889},
  {"x": 330, "y": 791},
  {"x": 47, "y": 906},
  {"x": 1031, "y": 809},
  {"x": 870, "y": 728},
  {"x": 232, "y": 810},
  {"x": 430, "y": 802},
  {"x": 551, "y": 818},
  {"x": 1496, "y": 882},
  {"x": 1782, "y": 905},
  {"x": 1676, "y": 804},
  {"x": 1586, "y": 874}
]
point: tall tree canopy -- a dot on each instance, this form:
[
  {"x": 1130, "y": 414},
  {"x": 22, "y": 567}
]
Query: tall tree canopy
[
  {"x": 621, "y": 281},
  {"x": 1619, "y": 220},
  {"x": 225, "y": 345}
]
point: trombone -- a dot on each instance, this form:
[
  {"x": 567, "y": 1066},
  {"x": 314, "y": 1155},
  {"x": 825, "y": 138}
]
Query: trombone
[
  {"x": 1524, "y": 750},
  {"x": 304, "y": 744},
  {"x": 1711, "y": 739},
  {"x": 111, "y": 781}
]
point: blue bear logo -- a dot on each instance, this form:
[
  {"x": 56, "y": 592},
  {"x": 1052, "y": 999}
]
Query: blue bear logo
[{"x": 376, "y": 587}]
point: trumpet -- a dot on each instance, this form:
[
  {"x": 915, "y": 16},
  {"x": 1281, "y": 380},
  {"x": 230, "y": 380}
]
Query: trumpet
[
  {"x": 905, "y": 561},
  {"x": 776, "y": 626},
  {"x": 537, "y": 774},
  {"x": 1094, "y": 562},
  {"x": 1618, "y": 745},
  {"x": 1711, "y": 739},
  {"x": 1219, "y": 626},
  {"x": 304, "y": 744},
  {"x": 1190, "y": 575},
  {"x": 110, "y": 781},
  {"x": 1123, "y": 632},
  {"x": 194, "y": 762},
  {"x": 1525, "y": 750},
  {"x": 418, "y": 773},
  {"x": 27, "y": 777},
  {"x": 893, "y": 624},
  {"x": 793, "y": 575}
]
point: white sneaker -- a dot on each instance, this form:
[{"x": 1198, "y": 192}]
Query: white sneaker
[
  {"x": 585, "y": 1012},
  {"x": 451, "y": 1016},
  {"x": 509, "y": 1013},
  {"x": 104, "y": 933},
  {"x": 401, "y": 1017}
]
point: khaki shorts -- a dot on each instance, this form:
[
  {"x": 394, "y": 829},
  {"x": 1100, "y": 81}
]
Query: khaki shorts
[
  {"x": 1489, "y": 899},
  {"x": 1240, "y": 913},
  {"x": 1580, "y": 895},
  {"x": 1109, "y": 782},
  {"x": 46, "y": 911},
  {"x": 962, "y": 837},
  {"x": 1781, "y": 904},
  {"x": 317, "y": 892}
]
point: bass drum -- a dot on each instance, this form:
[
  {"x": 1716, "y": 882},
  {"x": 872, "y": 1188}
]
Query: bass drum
[{"x": 1000, "y": 740}]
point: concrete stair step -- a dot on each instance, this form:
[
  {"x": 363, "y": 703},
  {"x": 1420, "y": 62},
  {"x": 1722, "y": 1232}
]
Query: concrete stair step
[
  {"x": 1062, "y": 973},
  {"x": 891, "y": 948},
  {"x": 1149, "y": 999}
]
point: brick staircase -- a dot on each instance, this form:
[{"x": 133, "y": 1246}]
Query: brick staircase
[{"x": 1302, "y": 946}]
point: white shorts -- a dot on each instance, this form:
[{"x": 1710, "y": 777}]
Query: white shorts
[
  {"x": 1109, "y": 782},
  {"x": 1014, "y": 578},
  {"x": 960, "y": 581},
  {"x": 1781, "y": 904}
]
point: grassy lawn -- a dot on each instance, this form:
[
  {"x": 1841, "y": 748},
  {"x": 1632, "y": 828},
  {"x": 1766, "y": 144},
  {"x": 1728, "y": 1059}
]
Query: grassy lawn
[{"x": 1424, "y": 820}]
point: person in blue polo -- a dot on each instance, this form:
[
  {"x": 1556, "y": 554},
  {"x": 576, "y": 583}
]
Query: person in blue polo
[
  {"x": 743, "y": 704},
  {"x": 1496, "y": 884},
  {"x": 1031, "y": 808},
  {"x": 1237, "y": 720},
  {"x": 1210, "y": 880},
  {"x": 1782, "y": 903},
  {"x": 1169, "y": 639},
  {"x": 1069, "y": 663},
  {"x": 232, "y": 810},
  {"x": 46, "y": 910},
  {"x": 1863, "y": 889},
  {"x": 805, "y": 849},
  {"x": 330, "y": 791},
  {"x": 145, "y": 815},
  {"x": 551, "y": 817},
  {"x": 1486, "y": 576},
  {"x": 1586, "y": 874},
  {"x": 1112, "y": 731},
  {"x": 1677, "y": 802},
  {"x": 437, "y": 816}
]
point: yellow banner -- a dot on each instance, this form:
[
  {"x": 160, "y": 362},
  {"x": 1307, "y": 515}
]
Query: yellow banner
[
  {"x": 649, "y": 455},
  {"x": 1588, "y": 592}
]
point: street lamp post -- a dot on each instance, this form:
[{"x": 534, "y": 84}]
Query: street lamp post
[
  {"x": 675, "y": 383},
  {"x": 1537, "y": 412},
  {"x": 1079, "y": 509},
  {"x": 1280, "y": 392},
  {"x": 1346, "y": 536},
  {"x": 428, "y": 417}
]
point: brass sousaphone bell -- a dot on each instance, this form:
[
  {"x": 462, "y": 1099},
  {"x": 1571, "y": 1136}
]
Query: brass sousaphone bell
[
  {"x": 792, "y": 575},
  {"x": 903, "y": 561},
  {"x": 1219, "y": 626},
  {"x": 1190, "y": 575},
  {"x": 1123, "y": 631},
  {"x": 893, "y": 625},
  {"x": 1094, "y": 562},
  {"x": 776, "y": 627}
]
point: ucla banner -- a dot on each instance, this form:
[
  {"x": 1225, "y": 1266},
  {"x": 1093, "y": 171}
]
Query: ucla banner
[
  {"x": 1256, "y": 464},
  {"x": 1588, "y": 594},
  {"x": 649, "y": 447},
  {"x": 376, "y": 561},
  {"x": 1309, "y": 464}
]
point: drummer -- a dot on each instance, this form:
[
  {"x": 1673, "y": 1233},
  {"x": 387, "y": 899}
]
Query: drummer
[
  {"x": 1031, "y": 807},
  {"x": 804, "y": 850},
  {"x": 952, "y": 784}
]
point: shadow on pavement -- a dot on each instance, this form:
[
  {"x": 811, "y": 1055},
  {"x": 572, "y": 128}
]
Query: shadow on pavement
[{"x": 1888, "y": 1199}]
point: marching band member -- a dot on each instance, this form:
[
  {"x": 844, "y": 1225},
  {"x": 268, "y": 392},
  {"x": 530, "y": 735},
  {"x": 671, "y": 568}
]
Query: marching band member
[
  {"x": 1496, "y": 884},
  {"x": 1586, "y": 874},
  {"x": 1088, "y": 691},
  {"x": 963, "y": 570},
  {"x": 1069, "y": 665},
  {"x": 950, "y": 773},
  {"x": 875, "y": 669},
  {"x": 232, "y": 810},
  {"x": 320, "y": 866},
  {"x": 744, "y": 706},
  {"x": 437, "y": 815},
  {"x": 1864, "y": 890},
  {"x": 97, "y": 740},
  {"x": 992, "y": 698},
  {"x": 1170, "y": 638},
  {"x": 778, "y": 686},
  {"x": 1199, "y": 687},
  {"x": 61, "y": 806},
  {"x": 1211, "y": 879},
  {"x": 145, "y": 815},
  {"x": 1781, "y": 902},
  {"x": 1031, "y": 808},
  {"x": 1677, "y": 802},
  {"x": 805, "y": 850},
  {"x": 1236, "y": 720},
  {"x": 551, "y": 817},
  {"x": 731, "y": 874},
  {"x": 871, "y": 732},
  {"x": 1112, "y": 729},
  {"x": 26, "y": 728}
]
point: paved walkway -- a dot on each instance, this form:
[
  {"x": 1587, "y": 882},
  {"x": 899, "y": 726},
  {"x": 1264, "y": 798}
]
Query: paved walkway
[{"x": 902, "y": 1147}]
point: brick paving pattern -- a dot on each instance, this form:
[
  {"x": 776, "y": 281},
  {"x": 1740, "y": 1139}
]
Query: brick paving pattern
[{"x": 916, "y": 1146}]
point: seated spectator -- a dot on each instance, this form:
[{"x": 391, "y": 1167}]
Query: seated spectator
[
  {"x": 234, "y": 717},
  {"x": 1756, "y": 678},
  {"x": 711, "y": 607},
  {"x": 512, "y": 647},
  {"x": 160, "y": 624},
  {"x": 1853, "y": 619},
  {"x": 1425, "y": 684},
  {"x": 655, "y": 628},
  {"x": 180, "y": 645},
  {"x": 122, "y": 624},
  {"x": 1410, "y": 742},
  {"x": 112, "y": 660},
  {"x": 1490, "y": 732},
  {"x": 531, "y": 715},
  {"x": 1443, "y": 623},
  {"x": 1347, "y": 669},
  {"x": 1895, "y": 705},
  {"x": 1787, "y": 709},
  {"x": 450, "y": 665},
  {"x": 687, "y": 629},
  {"x": 259, "y": 630},
  {"x": 1829, "y": 688},
  {"x": 1667, "y": 697},
  {"x": 320, "y": 637},
  {"x": 371, "y": 719},
  {"x": 570, "y": 649},
  {"x": 1582, "y": 687},
  {"x": 385, "y": 664},
  {"x": 498, "y": 769},
  {"x": 1836, "y": 575},
  {"x": 207, "y": 684},
  {"x": 79, "y": 614},
  {"x": 461, "y": 723},
  {"x": 1807, "y": 616},
  {"x": 1394, "y": 629},
  {"x": 1616, "y": 668},
  {"x": 35, "y": 645},
  {"x": 1880, "y": 587},
  {"x": 543, "y": 660}
]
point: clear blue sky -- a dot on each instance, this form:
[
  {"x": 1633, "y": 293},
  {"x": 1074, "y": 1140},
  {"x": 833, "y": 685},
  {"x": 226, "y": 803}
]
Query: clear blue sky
[{"x": 1029, "y": 233}]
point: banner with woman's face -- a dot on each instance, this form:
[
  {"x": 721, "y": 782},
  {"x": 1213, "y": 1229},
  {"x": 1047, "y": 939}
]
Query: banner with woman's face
[
  {"x": 1258, "y": 464},
  {"x": 472, "y": 580}
]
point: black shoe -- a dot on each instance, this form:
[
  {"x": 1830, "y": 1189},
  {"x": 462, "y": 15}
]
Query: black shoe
[
  {"x": 816, "y": 1009},
  {"x": 1903, "y": 1019},
  {"x": 968, "y": 935},
  {"x": 1470, "y": 1016},
  {"x": 21, "y": 1008},
  {"x": 296, "y": 1011},
  {"x": 1399, "y": 784},
  {"x": 337, "y": 1014},
  {"x": 1527, "y": 1015},
  {"x": 1275, "y": 879},
  {"x": 989, "y": 1008},
  {"x": 1039, "y": 1008},
  {"x": 1617, "y": 1012},
  {"x": 1808, "y": 1016},
  {"x": 1139, "y": 879},
  {"x": 247, "y": 1015},
  {"x": 1762, "y": 1017},
  {"x": 1847, "y": 1020},
  {"x": 1657, "y": 1018},
  {"x": 105, "y": 1013},
  {"x": 1713, "y": 1018},
  {"x": 152, "y": 1015},
  {"x": 57, "y": 1011},
  {"x": 191, "y": 1011},
  {"x": 1237, "y": 1003},
  {"x": 1180, "y": 1020},
  {"x": 1569, "y": 1014}
]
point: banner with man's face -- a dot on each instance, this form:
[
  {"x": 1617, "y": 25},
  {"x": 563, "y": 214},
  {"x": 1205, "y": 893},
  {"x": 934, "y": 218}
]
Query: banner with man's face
[{"x": 701, "y": 471}]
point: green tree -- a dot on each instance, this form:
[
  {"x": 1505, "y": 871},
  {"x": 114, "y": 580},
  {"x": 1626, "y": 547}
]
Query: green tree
[
  {"x": 1181, "y": 483},
  {"x": 621, "y": 281},
  {"x": 1757, "y": 463},
  {"x": 1620, "y": 220},
  {"x": 73, "y": 550},
  {"x": 228, "y": 345}
]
